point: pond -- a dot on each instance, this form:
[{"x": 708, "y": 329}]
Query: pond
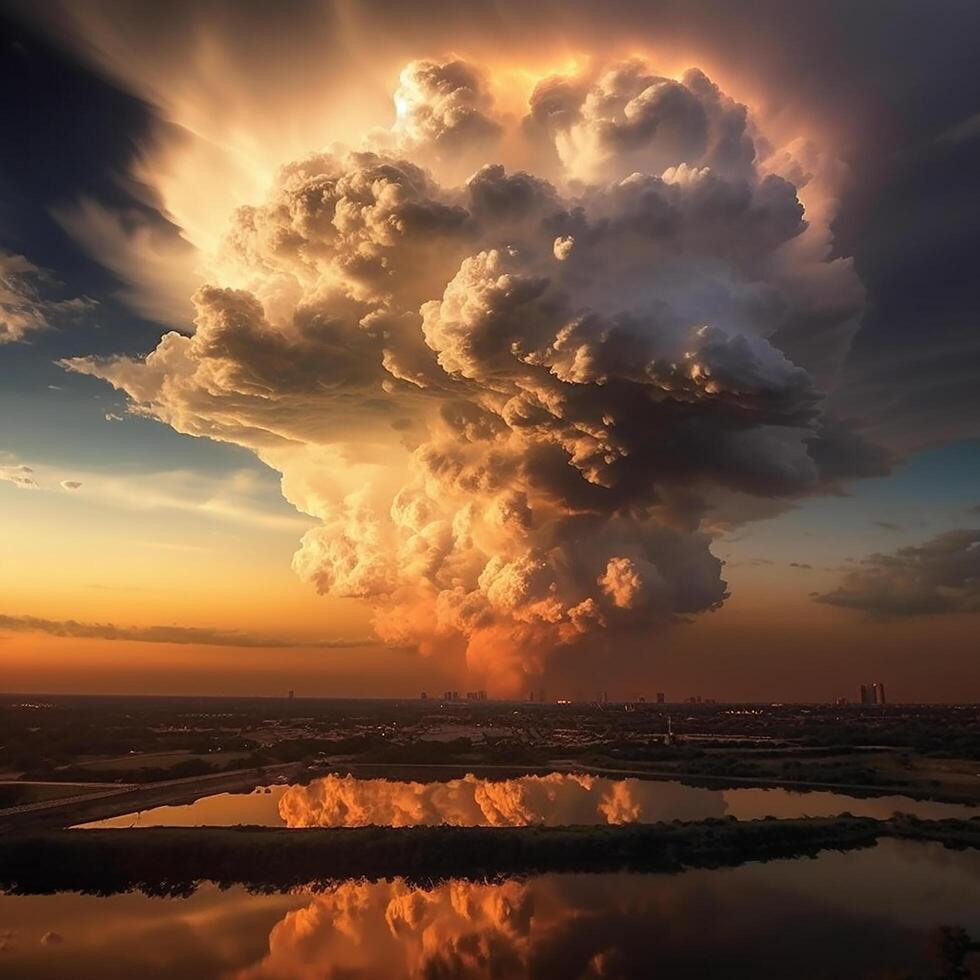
[
  {"x": 555, "y": 799},
  {"x": 850, "y": 916}
]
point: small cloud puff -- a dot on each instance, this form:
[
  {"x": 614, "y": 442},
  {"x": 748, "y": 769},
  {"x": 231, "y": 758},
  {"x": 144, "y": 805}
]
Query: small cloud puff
[{"x": 19, "y": 475}]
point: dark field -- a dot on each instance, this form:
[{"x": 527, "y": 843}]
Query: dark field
[
  {"x": 172, "y": 861},
  {"x": 920, "y": 750}
]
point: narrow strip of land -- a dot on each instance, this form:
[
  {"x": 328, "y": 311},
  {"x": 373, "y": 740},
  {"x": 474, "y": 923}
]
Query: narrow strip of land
[{"x": 173, "y": 860}]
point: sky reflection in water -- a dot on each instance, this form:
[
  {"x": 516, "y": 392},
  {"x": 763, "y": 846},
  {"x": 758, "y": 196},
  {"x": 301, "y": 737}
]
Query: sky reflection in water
[
  {"x": 857, "y": 915},
  {"x": 554, "y": 799}
]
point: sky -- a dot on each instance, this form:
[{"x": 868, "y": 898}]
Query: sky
[{"x": 361, "y": 351}]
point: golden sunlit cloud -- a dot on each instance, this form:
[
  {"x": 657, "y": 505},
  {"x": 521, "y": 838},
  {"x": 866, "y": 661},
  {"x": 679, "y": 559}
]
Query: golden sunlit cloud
[{"x": 518, "y": 348}]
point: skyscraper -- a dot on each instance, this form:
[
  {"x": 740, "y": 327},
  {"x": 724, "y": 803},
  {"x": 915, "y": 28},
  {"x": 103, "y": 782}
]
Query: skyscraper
[
  {"x": 879, "y": 692},
  {"x": 867, "y": 695}
]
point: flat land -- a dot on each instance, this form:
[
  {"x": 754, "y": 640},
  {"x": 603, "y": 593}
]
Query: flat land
[
  {"x": 159, "y": 760},
  {"x": 131, "y": 753}
]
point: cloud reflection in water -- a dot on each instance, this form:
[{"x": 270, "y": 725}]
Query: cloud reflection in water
[{"x": 554, "y": 799}]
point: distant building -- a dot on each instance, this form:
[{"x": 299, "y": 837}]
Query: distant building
[
  {"x": 873, "y": 693},
  {"x": 292, "y": 694},
  {"x": 482, "y": 695},
  {"x": 541, "y": 694},
  {"x": 423, "y": 696},
  {"x": 661, "y": 697}
]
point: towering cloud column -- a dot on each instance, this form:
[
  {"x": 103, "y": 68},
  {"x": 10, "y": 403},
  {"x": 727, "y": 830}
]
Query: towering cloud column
[{"x": 519, "y": 402}]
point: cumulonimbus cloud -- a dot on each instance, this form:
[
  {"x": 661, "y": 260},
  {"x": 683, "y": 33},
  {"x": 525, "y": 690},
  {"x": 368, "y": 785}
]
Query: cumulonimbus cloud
[
  {"x": 940, "y": 576},
  {"x": 515, "y": 400},
  {"x": 198, "y": 635}
]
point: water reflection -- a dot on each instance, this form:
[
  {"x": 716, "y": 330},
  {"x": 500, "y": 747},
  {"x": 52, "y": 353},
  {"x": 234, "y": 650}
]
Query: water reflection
[
  {"x": 554, "y": 799},
  {"x": 864, "y": 915}
]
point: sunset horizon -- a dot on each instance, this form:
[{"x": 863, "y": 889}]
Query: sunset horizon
[
  {"x": 489, "y": 491},
  {"x": 484, "y": 363}
]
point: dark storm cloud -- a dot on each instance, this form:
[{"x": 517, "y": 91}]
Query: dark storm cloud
[
  {"x": 68, "y": 132},
  {"x": 181, "y": 635},
  {"x": 940, "y": 576}
]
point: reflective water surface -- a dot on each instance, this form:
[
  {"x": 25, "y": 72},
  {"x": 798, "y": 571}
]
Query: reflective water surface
[
  {"x": 864, "y": 914},
  {"x": 554, "y": 799}
]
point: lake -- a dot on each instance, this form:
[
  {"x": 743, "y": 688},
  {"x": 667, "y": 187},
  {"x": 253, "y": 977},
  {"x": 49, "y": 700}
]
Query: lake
[
  {"x": 849, "y": 916},
  {"x": 554, "y": 799}
]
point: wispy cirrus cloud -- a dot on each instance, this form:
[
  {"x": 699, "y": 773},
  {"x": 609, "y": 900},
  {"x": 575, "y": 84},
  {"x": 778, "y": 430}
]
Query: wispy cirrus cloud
[
  {"x": 241, "y": 496},
  {"x": 183, "y": 635},
  {"x": 28, "y": 298}
]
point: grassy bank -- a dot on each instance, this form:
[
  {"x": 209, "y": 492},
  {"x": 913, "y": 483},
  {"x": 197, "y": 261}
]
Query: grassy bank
[{"x": 172, "y": 860}]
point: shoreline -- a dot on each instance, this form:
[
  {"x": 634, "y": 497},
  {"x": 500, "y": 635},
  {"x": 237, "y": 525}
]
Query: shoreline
[{"x": 70, "y": 811}]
